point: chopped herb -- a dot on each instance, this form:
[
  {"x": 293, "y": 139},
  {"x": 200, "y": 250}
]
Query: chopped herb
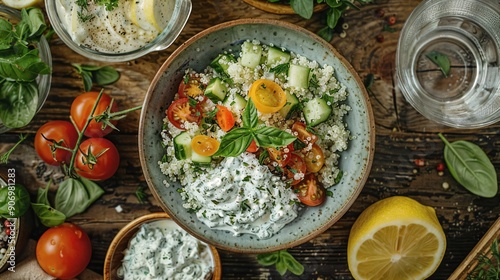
[
  {"x": 280, "y": 69},
  {"x": 441, "y": 60},
  {"x": 488, "y": 265}
]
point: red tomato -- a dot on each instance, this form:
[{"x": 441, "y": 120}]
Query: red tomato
[
  {"x": 181, "y": 111},
  {"x": 310, "y": 191},
  {"x": 300, "y": 131},
  {"x": 82, "y": 107},
  {"x": 295, "y": 169},
  {"x": 97, "y": 159},
  {"x": 253, "y": 147},
  {"x": 191, "y": 86},
  {"x": 314, "y": 159},
  {"x": 225, "y": 118},
  {"x": 62, "y": 133},
  {"x": 64, "y": 251},
  {"x": 279, "y": 156}
]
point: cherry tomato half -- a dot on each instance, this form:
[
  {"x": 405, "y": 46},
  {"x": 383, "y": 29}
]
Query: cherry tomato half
[
  {"x": 314, "y": 159},
  {"x": 191, "y": 86},
  {"x": 204, "y": 145},
  {"x": 280, "y": 156},
  {"x": 253, "y": 147},
  {"x": 225, "y": 118},
  {"x": 296, "y": 169},
  {"x": 82, "y": 107},
  {"x": 267, "y": 96},
  {"x": 62, "y": 133},
  {"x": 64, "y": 251},
  {"x": 97, "y": 159},
  {"x": 310, "y": 191},
  {"x": 181, "y": 111},
  {"x": 300, "y": 131}
]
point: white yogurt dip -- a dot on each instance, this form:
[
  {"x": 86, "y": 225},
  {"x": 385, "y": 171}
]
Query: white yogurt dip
[
  {"x": 162, "y": 250},
  {"x": 127, "y": 27}
]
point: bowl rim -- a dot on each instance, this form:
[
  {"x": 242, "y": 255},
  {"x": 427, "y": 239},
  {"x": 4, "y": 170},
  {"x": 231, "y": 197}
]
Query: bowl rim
[
  {"x": 370, "y": 124},
  {"x": 134, "y": 224}
]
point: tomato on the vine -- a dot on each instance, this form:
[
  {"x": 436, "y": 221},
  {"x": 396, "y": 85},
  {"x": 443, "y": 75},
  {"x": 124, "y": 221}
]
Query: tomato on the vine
[
  {"x": 191, "y": 86},
  {"x": 225, "y": 118},
  {"x": 314, "y": 159},
  {"x": 296, "y": 169},
  {"x": 64, "y": 251},
  {"x": 310, "y": 191},
  {"x": 52, "y": 133},
  {"x": 97, "y": 159},
  {"x": 181, "y": 111},
  {"x": 82, "y": 107}
]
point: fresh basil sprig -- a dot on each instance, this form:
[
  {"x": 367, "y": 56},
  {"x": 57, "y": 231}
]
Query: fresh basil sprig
[
  {"x": 283, "y": 261},
  {"x": 236, "y": 141},
  {"x": 47, "y": 215},
  {"x": 101, "y": 75},
  {"x": 471, "y": 167},
  {"x": 75, "y": 195}
]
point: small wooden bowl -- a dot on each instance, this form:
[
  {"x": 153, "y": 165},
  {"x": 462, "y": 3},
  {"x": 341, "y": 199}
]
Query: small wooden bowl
[
  {"x": 115, "y": 255},
  {"x": 279, "y": 8}
]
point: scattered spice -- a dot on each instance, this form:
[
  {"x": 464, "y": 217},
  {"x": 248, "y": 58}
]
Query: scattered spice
[
  {"x": 391, "y": 20},
  {"x": 380, "y": 12},
  {"x": 419, "y": 162},
  {"x": 440, "y": 167},
  {"x": 380, "y": 38}
]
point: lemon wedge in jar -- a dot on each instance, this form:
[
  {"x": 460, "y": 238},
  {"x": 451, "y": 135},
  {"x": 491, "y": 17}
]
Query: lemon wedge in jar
[
  {"x": 396, "y": 238},
  {"x": 151, "y": 14},
  {"x": 19, "y": 4}
]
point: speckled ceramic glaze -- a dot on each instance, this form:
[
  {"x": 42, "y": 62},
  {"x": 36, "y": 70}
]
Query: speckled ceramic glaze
[{"x": 197, "y": 53}]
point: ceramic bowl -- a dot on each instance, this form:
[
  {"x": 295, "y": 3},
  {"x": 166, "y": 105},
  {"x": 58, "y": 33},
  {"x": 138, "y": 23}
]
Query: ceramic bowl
[
  {"x": 197, "y": 53},
  {"x": 114, "y": 255},
  {"x": 44, "y": 81}
]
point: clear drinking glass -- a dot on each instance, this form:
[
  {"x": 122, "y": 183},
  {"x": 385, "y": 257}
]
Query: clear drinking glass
[{"x": 465, "y": 34}]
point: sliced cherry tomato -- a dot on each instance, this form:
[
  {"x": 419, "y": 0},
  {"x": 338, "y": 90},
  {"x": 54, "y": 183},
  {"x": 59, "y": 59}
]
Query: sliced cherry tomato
[
  {"x": 300, "y": 131},
  {"x": 181, "y": 111},
  {"x": 253, "y": 147},
  {"x": 295, "y": 169},
  {"x": 279, "y": 156},
  {"x": 52, "y": 133},
  {"x": 267, "y": 96},
  {"x": 225, "y": 118},
  {"x": 7, "y": 231},
  {"x": 310, "y": 191},
  {"x": 97, "y": 159},
  {"x": 204, "y": 145},
  {"x": 191, "y": 86},
  {"x": 82, "y": 107},
  {"x": 64, "y": 251},
  {"x": 314, "y": 159}
]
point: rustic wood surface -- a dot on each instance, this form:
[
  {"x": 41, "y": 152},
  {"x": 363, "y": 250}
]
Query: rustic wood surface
[{"x": 402, "y": 135}]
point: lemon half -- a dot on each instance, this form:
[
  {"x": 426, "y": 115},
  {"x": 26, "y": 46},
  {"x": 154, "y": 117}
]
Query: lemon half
[
  {"x": 396, "y": 238},
  {"x": 19, "y": 4}
]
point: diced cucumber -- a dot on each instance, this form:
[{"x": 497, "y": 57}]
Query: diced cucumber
[
  {"x": 292, "y": 103},
  {"x": 182, "y": 146},
  {"x": 298, "y": 76},
  {"x": 197, "y": 158},
  {"x": 216, "y": 90},
  {"x": 250, "y": 54},
  {"x": 235, "y": 101},
  {"x": 316, "y": 111},
  {"x": 221, "y": 63},
  {"x": 276, "y": 55}
]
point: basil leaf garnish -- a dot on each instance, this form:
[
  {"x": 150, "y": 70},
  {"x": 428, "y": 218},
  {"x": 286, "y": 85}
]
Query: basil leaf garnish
[
  {"x": 18, "y": 103},
  {"x": 268, "y": 136},
  {"x": 48, "y": 216},
  {"x": 74, "y": 196}
]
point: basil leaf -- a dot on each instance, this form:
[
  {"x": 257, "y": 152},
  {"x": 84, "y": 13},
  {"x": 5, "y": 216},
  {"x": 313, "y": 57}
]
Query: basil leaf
[
  {"x": 6, "y": 36},
  {"x": 291, "y": 263},
  {"x": 268, "y": 136},
  {"x": 250, "y": 117},
  {"x": 48, "y": 216},
  {"x": 441, "y": 60},
  {"x": 74, "y": 196},
  {"x": 18, "y": 103},
  {"x": 304, "y": 8},
  {"x": 471, "y": 167},
  {"x": 106, "y": 75},
  {"x": 332, "y": 17},
  {"x": 267, "y": 259},
  {"x": 14, "y": 201},
  {"x": 21, "y": 64},
  {"x": 42, "y": 195},
  {"x": 87, "y": 80},
  {"x": 281, "y": 267},
  {"x": 235, "y": 142},
  {"x": 36, "y": 22}
]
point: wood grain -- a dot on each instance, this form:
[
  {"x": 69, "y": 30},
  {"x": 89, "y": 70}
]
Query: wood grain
[{"x": 402, "y": 136}]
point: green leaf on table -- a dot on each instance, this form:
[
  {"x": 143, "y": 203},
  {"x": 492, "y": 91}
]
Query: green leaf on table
[
  {"x": 47, "y": 215},
  {"x": 18, "y": 103},
  {"x": 283, "y": 262},
  {"x": 75, "y": 195},
  {"x": 332, "y": 17},
  {"x": 471, "y": 167},
  {"x": 106, "y": 75},
  {"x": 291, "y": 263},
  {"x": 441, "y": 60},
  {"x": 42, "y": 194},
  {"x": 304, "y": 8},
  {"x": 101, "y": 75}
]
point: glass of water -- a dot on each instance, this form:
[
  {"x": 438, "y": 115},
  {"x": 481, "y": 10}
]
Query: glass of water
[{"x": 448, "y": 61}]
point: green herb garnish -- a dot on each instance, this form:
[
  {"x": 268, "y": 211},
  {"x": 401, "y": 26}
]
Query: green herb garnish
[
  {"x": 441, "y": 60},
  {"x": 488, "y": 267},
  {"x": 236, "y": 141},
  {"x": 101, "y": 75},
  {"x": 140, "y": 194},
  {"x": 283, "y": 261},
  {"x": 5, "y": 157},
  {"x": 471, "y": 167}
]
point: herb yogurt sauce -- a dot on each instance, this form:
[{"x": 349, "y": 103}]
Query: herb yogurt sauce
[
  {"x": 162, "y": 250},
  {"x": 127, "y": 27}
]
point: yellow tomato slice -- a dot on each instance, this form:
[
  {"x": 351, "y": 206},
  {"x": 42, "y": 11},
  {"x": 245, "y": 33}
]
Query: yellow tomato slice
[
  {"x": 204, "y": 145},
  {"x": 267, "y": 96}
]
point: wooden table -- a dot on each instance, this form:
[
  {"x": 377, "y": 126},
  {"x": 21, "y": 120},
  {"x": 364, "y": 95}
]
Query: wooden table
[{"x": 402, "y": 135}]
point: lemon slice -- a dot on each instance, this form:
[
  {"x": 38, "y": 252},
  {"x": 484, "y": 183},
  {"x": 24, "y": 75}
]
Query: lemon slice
[
  {"x": 396, "y": 238},
  {"x": 151, "y": 15},
  {"x": 19, "y": 4}
]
